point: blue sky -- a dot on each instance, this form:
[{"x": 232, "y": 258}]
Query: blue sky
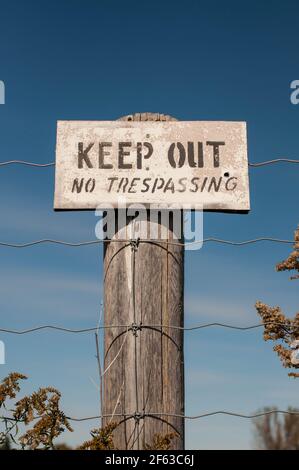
[{"x": 195, "y": 60}]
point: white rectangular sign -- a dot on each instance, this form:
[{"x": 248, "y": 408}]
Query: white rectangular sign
[{"x": 198, "y": 164}]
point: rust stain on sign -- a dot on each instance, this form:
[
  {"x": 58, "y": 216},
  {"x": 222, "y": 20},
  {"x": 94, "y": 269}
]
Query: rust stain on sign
[{"x": 199, "y": 164}]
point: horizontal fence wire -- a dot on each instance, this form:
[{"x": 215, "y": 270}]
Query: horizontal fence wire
[
  {"x": 134, "y": 327},
  {"x": 23, "y": 162},
  {"x": 43, "y": 165},
  {"x": 143, "y": 415},
  {"x": 114, "y": 240},
  {"x": 271, "y": 162}
]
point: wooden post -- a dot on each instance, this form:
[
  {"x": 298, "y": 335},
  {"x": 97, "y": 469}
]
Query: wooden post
[{"x": 144, "y": 288}]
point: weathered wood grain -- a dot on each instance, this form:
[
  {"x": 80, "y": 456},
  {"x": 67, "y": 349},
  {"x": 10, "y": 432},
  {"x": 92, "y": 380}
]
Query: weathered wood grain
[
  {"x": 148, "y": 375},
  {"x": 144, "y": 287}
]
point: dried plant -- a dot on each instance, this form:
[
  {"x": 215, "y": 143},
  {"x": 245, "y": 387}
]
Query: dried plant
[
  {"x": 42, "y": 406},
  {"x": 274, "y": 432},
  {"x": 277, "y": 327},
  {"x": 161, "y": 442},
  {"x": 6, "y": 444},
  {"x": 63, "y": 446},
  {"x": 42, "y": 410},
  {"x": 102, "y": 439},
  {"x": 10, "y": 387},
  {"x": 292, "y": 262}
]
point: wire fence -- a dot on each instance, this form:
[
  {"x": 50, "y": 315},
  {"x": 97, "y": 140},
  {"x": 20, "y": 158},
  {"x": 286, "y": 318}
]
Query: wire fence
[
  {"x": 135, "y": 326},
  {"x": 140, "y": 240},
  {"x": 139, "y": 416},
  {"x": 44, "y": 165}
]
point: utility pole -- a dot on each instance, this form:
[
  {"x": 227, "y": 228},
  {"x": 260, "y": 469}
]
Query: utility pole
[{"x": 144, "y": 288}]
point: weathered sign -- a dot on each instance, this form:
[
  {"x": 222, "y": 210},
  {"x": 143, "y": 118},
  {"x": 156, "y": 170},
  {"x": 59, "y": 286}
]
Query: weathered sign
[{"x": 194, "y": 163}]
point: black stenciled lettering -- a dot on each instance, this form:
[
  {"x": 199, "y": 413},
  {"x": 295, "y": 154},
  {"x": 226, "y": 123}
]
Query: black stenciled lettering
[
  {"x": 77, "y": 186},
  {"x": 200, "y": 154},
  {"x": 90, "y": 185},
  {"x": 82, "y": 155},
  {"x": 214, "y": 184},
  {"x": 215, "y": 146},
  {"x": 169, "y": 186},
  {"x": 139, "y": 153},
  {"x": 124, "y": 153},
  {"x": 133, "y": 184},
  {"x": 191, "y": 159},
  {"x": 182, "y": 182},
  {"x": 144, "y": 182},
  {"x": 195, "y": 184},
  {"x": 234, "y": 184},
  {"x": 102, "y": 154},
  {"x": 123, "y": 184},
  {"x": 112, "y": 180},
  {"x": 204, "y": 184},
  {"x": 182, "y": 155},
  {"x": 155, "y": 185}
]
